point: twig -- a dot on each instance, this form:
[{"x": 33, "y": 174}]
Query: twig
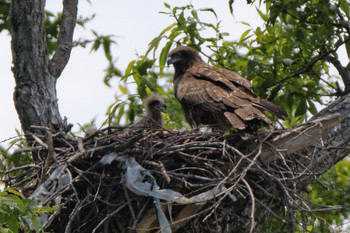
[
  {"x": 38, "y": 140},
  {"x": 74, "y": 213},
  {"x": 28, "y": 166},
  {"x": 129, "y": 204},
  {"x": 108, "y": 217},
  {"x": 252, "y": 214}
]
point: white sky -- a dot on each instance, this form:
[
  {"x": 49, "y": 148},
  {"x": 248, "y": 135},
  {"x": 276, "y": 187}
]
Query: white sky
[{"x": 81, "y": 92}]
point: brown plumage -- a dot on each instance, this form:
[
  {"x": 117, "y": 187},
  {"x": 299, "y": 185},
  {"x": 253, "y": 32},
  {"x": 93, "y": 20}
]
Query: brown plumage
[
  {"x": 152, "y": 118},
  {"x": 215, "y": 96}
]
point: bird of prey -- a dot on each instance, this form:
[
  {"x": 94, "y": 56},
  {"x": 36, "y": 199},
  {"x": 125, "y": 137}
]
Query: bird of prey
[
  {"x": 217, "y": 97},
  {"x": 152, "y": 118}
]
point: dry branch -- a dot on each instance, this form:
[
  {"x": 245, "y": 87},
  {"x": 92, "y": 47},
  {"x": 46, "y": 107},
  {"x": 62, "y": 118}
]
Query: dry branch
[{"x": 294, "y": 140}]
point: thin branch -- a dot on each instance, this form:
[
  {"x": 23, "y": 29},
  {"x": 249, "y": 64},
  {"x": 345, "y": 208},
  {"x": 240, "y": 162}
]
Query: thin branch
[
  {"x": 306, "y": 68},
  {"x": 65, "y": 38},
  {"x": 343, "y": 71},
  {"x": 252, "y": 214},
  {"x": 108, "y": 217},
  {"x": 27, "y": 166}
]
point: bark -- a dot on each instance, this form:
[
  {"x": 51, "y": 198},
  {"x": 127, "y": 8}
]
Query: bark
[{"x": 35, "y": 76}]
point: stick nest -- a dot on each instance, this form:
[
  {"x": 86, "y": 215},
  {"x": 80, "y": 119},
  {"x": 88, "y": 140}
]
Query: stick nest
[{"x": 96, "y": 199}]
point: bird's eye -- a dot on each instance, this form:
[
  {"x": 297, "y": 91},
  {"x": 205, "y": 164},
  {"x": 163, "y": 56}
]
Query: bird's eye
[{"x": 155, "y": 102}]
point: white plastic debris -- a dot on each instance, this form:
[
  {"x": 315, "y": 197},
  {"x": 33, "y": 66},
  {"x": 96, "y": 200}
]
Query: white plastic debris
[{"x": 134, "y": 178}]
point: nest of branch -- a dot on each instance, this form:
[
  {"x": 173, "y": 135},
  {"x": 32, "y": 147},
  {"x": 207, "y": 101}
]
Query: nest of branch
[{"x": 226, "y": 176}]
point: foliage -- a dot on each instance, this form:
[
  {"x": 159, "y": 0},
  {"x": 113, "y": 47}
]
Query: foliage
[
  {"x": 18, "y": 213},
  {"x": 331, "y": 192},
  {"x": 329, "y": 200},
  {"x": 9, "y": 160},
  {"x": 279, "y": 59}
]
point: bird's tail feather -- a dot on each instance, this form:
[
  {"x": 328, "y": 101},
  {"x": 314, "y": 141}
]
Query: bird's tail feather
[{"x": 271, "y": 107}]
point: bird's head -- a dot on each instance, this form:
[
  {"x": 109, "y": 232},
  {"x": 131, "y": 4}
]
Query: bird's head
[
  {"x": 154, "y": 104},
  {"x": 183, "y": 57}
]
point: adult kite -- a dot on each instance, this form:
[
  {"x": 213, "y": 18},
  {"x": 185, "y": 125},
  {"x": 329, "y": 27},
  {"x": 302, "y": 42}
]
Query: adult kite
[{"x": 217, "y": 97}]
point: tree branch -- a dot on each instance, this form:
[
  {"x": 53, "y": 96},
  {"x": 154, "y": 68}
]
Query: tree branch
[
  {"x": 306, "y": 68},
  {"x": 337, "y": 146},
  {"x": 343, "y": 71},
  {"x": 65, "y": 38}
]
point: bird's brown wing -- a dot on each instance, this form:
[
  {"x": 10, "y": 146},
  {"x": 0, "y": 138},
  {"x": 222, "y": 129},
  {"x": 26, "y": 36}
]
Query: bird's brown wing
[
  {"x": 220, "y": 75},
  {"x": 208, "y": 96}
]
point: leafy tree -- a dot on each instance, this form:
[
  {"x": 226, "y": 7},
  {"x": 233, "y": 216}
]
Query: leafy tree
[{"x": 288, "y": 61}]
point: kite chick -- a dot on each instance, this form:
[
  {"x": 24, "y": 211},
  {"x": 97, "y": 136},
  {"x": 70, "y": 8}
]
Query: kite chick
[{"x": 152, "y": 118}]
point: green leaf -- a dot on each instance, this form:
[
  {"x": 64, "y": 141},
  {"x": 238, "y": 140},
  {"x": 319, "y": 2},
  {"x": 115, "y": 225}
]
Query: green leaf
[
  {"x": 181, "y": 19},
  {"x": 166, "y": 5},
  {"x": 13, "y": 224},
  {"x": 120, "y": 112},
  {"x": 164, "y": 54},
  {"x": 36, "y": 223},
  {"x": 262, "y": 15},
  {"x": 230, "y": 3},
  {"x": 128, "y": 70},
  {"x": 96, "y": 45},
  {"x": 302, "y": 107},
  {"x": 29, "y": 204},
  {"x": 195, "y": 15},
  {"x": 167, "y": 28},
  {"x": 106, "y": 47},
  {"x": 209, "y": 10},
  {"x": 243, "y": 36},
  {"x": 245, "y": 23},
  {"x": 5, "y": 230},
  {"x": 312, "y": 108},
  {"x": 14, "y": 191},
  {"x": 123, "y": 89},
  {"x": 111, "y": 113},
  {"x": 143, "y": 65},
  {"x": 154, "y": 44},
  {"x": 141, "y": 88}
]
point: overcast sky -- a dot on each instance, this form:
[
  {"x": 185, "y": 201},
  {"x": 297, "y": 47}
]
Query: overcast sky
[{"x": 81, "y": 92}]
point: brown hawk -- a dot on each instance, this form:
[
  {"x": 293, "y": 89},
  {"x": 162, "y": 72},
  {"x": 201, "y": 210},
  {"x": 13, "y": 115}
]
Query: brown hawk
[{"x": 216, "y": 97}]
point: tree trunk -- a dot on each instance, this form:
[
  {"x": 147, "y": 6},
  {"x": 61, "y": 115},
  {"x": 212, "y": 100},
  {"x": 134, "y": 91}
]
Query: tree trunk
[
  {"x": 35, "y": 92},
  {"x": 35, "y": 74}
]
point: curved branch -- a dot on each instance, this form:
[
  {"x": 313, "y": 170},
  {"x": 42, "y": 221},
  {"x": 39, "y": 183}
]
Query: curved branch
[
  {"x": 65, "y": 38},
  {"x": 344, "y": 72},
  {"x": 306, "y": 68}
]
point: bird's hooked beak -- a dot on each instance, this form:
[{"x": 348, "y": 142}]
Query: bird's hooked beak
[
  {"x": 173, "y": 60},
  {"x": 161, "y": 107},
  {"x": 169, "y": 61}
]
